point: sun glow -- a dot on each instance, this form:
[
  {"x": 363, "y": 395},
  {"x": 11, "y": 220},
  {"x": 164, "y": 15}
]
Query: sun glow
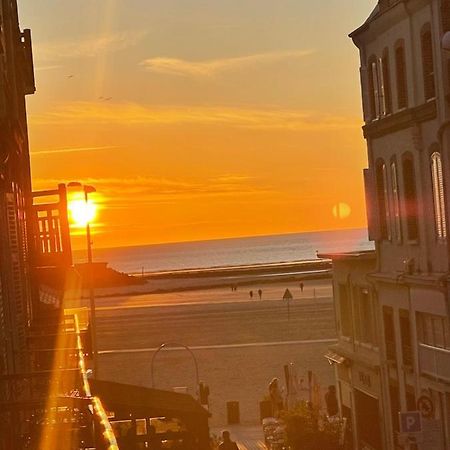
[
  {"x": 341, "y": 210},
  {"x": 82, "y": 212}
]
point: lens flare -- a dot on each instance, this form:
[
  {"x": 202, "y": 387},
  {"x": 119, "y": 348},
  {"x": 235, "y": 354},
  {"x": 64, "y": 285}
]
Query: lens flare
[
  {"x": 341, "y": 210},
  {"x": 82, "y": 212}
]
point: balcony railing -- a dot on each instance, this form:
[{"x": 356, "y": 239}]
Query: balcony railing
[
  {"x": 434, "y": 362},
  {"x": 52, "y": 406},
  {"x": 106, "y": 439}
]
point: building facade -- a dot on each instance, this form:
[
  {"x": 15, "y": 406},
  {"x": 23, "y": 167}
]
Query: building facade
[
  {"x": 392, "y": 307},
  {"x": 16, "y": 81}
]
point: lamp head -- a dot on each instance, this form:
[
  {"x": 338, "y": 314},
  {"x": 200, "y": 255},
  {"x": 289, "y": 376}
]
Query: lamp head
[
  {"x": 89, "y": 189},
  {"x": 73, "y": 184}
]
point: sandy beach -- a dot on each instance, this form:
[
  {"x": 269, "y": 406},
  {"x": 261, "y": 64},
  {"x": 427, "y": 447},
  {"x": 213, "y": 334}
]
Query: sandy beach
[{"x": 240, "y": 343}]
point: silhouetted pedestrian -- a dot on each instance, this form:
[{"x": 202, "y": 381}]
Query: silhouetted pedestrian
[
  {"x": 153, "y": 439},
  {"x": 276, "y": 397},
  {"x": 227, "y": 443},
  {"x": 331, "y": 401},
  {"x": 260, "y": 293},
  {"x": 130, "y": 440},
  {"x": 302, "y": 286},
  {"x": 251, "y": 294}
]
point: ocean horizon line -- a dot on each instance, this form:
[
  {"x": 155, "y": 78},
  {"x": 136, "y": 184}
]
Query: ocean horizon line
[{"x": 235, "y": 238}]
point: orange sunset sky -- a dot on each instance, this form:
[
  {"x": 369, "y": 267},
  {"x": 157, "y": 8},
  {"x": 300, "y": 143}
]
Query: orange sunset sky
[{"x": 200, "y": 119}]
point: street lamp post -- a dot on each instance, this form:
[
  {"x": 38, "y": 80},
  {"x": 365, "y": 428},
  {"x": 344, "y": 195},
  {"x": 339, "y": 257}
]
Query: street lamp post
[
  {"x": 88, "y": 190},
  {"x": 173, "y": 344}
]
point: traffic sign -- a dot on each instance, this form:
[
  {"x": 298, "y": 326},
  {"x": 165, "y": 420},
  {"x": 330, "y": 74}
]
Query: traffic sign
[
  {"x": 287, "y": 295},
  {"x": 410, "y": 422},
  {"x": 425, "y": 406}
]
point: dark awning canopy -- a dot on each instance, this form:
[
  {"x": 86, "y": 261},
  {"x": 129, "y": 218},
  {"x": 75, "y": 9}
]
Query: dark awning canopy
[{"x": 138, "y": 400}]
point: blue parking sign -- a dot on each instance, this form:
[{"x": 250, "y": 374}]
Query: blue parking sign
[{"x": 410, "y": 422}]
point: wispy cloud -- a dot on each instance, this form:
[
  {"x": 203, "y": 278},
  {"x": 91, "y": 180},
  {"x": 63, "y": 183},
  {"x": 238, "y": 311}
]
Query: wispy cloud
[
  {"x": 123, "y": 192},
  {"x": 117, "y": 114},
  {"x": 182, "y": 67},
  {"x": 58, "y": 151},
  {"x": 88, "y": 47},
  {"x": 47, "y": 68}
]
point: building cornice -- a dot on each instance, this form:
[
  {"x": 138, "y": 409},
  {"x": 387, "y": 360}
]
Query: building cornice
[
  {"x": 436, "y": 280},
  {"x": 400, "y": 120},
  {"x": 383, "y": 18}
]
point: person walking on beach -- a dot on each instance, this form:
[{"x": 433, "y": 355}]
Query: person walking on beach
[
  {"x": 227, "y": 443},
  {"x": 251, "y": 294},
  {"x": 260, "y": 293},
  {"x": 302, "y": 286}
]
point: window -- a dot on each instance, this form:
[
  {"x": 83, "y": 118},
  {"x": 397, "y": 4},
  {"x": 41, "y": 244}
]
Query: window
[
  {"x": 379, "y": 86},
  {"x": 438, "y": 195},
  {"x": 382, "y": 199},
  {"x": 405, "y": 335},
  {"x": 427, "y": 63},
  {"x": 396, "y": 202},
  {"x": 365, "y": 316},
  {"x": 400, "y": 66},
  {"x": 345, "y": 311},
  {"x": 410, "y": 197},
  {"x": 433, "y": 330},
  {"x": 386, "y": 82},
  {"x": 374, "y": 95},
  {"x": 389, "y": 332}
]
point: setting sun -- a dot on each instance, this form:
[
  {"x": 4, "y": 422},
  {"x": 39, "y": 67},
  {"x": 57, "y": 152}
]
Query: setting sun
[
  {"x": 341, "y": 210},
  {"x": 82, "y": 212}
]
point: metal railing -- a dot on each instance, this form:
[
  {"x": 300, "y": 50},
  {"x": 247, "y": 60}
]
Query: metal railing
[
  {"x": 434, "y": 362},
  {"x": 101, "y": 422},
  {"x": 52, "y": 405}
]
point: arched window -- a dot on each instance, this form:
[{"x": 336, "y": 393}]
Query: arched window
[
  {"x": 427, "y": 63},
  {"x": 374, "y": 94},
  {"x": 400, "y": 69},
  {"x": 410, "y": 197},
  {"x": 396, "y": 202},
  {"x": 438, "y": 195},
  {"x": 382, "y": 200},
  {"x": 386, "y": 82}
]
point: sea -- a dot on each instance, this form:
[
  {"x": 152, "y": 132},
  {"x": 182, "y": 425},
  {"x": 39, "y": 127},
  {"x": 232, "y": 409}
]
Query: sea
[{"x": 243, "y": 251}]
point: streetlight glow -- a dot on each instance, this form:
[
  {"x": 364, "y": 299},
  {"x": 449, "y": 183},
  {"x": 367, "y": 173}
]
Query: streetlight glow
[{"x": 82, "y": 212}]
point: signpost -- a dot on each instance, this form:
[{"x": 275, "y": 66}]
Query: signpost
[{"x": 411, "y": 431}]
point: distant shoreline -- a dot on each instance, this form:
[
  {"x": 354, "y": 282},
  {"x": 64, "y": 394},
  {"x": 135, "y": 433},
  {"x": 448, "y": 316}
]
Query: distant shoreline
[
  {"x": 219, "y": 277},
  {"x": 282, "y": 268}
]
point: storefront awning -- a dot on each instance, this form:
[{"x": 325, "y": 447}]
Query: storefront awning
[{"x": 335, "y": 358}]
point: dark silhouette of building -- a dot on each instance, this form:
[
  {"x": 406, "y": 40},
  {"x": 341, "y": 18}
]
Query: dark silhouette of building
[{"x": 16, "y": 81}]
